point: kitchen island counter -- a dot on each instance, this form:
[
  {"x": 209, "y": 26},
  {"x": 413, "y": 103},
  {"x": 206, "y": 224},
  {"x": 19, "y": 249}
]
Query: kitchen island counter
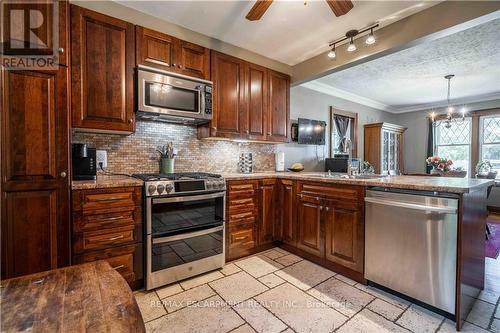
[{"x": 422, "y": 183}]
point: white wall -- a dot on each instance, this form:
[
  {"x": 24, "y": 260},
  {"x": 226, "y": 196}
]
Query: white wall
[{"x": 307, "y": 103}]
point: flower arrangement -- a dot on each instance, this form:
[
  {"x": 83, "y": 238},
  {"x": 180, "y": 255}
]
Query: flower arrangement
[{"x": 439, "y": 163}]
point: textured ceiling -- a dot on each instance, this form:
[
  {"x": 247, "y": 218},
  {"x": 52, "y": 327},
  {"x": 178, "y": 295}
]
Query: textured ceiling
[
  {"x": 289, "y": 31},
  {"x": 413, "y": 78}
]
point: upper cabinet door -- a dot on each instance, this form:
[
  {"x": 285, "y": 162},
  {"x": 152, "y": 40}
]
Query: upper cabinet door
[
  {"x": 279, "y": 107},
  {"x": 192, "y": 60},
  {"x": 256, "y": 97},
  {"x": 228, "y": 75},
  {"x": 102, "y": 73},
  {"x": 154, "y": 49}
]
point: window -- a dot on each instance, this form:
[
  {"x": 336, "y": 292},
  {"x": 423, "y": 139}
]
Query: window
[
  {"x": 489, "y": 144},
  {"x": 335, "y": 137},
  {"x": 454, "y": 143}
]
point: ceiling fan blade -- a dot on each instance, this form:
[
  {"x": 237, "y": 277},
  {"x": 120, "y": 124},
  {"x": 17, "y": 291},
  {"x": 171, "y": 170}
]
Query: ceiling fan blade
[
  {"x": 258, "y": 9},
  {"x": 340, "y": 7}
]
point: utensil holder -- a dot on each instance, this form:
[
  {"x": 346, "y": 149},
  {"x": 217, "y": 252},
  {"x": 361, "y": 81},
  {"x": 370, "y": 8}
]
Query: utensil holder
[{"x": 167, "y": 165}]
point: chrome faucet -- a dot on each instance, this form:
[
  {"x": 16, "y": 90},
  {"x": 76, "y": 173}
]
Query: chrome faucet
[{"x": 348, "y": 150}]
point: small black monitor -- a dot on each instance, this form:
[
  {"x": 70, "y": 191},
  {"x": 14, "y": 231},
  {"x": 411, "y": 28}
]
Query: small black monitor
[{"x": 311, "y": 132}]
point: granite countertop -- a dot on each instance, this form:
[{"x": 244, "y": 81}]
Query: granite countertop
[
  {"x": 106, "y": 182},
  {"x": 439, "y": 184}
]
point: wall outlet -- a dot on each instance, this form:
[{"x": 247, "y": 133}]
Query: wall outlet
[{"x": 101, "y": 157}]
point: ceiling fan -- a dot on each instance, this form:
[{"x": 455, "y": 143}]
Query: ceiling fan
[{"x": 339, "y": 8}]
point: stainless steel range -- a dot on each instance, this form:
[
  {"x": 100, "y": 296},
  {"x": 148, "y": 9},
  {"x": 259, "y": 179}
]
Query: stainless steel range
[{"x": 184, "y": 225}]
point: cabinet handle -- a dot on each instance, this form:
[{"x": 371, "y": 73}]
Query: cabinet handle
[
  {"x": 214, "y": 128},
  {"x": 115, "y": 238},
  {"x": 320, "y": 207},
  {"x": 112, "y": 218},
  {"x": 247, "y": 131},
  {"x": 240, "y": 238},
  {"x": 327, "y": 208},
  {"x": 180, "y": 66},
  {"x": 173, "y": 65},
  {"x": 130, "y": 121},
  {"x": 118, "y": 267},
  {"x": 61, "y": 50},
  {"x": 39, "y": 281},
  {"x": 109, "y": 199},
  {"x": 63, "y": 174},
  {"x": 317, "y": 198},
  {"x": 269, "y": 133}
]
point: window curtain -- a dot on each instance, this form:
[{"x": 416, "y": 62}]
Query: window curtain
[
  {"x": 342, "y": 124},
  {"x": 430, "y": 144}
]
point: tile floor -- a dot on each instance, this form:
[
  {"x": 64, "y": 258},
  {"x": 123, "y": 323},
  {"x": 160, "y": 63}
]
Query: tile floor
[{"x": 275, "y": 291}]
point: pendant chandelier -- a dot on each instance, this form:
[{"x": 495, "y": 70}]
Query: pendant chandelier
[{"x": 451, "y": 115}]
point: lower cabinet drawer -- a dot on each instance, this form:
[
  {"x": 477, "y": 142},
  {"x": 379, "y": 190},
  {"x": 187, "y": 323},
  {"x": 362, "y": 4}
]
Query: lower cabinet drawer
[
  {"x": 99, "y": 221},
  {"x": 126, "y": 260},
  {"x": 101, "y": 239},
  {"x": 242, "y": 238},
  {"x": 241, "y": 217}
]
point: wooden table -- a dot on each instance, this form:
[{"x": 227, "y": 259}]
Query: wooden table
[{"x": 90, "y": 297}]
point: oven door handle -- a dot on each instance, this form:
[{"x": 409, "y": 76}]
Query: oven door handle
[
  {"x": 188, "y": 198},
  {"x": 187, "y": 235}
]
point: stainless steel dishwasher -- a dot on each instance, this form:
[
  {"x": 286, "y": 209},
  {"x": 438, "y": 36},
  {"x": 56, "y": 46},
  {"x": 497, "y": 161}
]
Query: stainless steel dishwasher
[{"x": 411, "y": 244}]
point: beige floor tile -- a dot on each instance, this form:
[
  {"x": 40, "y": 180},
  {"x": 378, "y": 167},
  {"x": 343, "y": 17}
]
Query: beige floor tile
[
  {"x": 449, "y": 327},
  {"x": 201, "y": 279},
  {"x": 385, "y": 309},
  {"x": 169, "y": 290},
  {"x": 394, "y": 300},
  {"x": 305, "y": 274},
  {"x": 489, "y": 296},
  {"x": 288, "y": 260},
  {"x": 258, "y": 317},
  {"x": 188, "y": 297},
  {"x": 420, "y": 320},
  {"x": 481, "y": 314},
  {"x": 495, "y": 325},
  {"x": 370, "y": 322},
  {"x": 279, "y": 249},
  {"x": 345, "y": 279},
  {"x": 273, "y": 254},
  {"x": 243, "y": 329},
  {"x": 258, "y": 266},
  {"x": 238, "y": 287},
  {"x": 229, "y": 269},
  {"x": 271, "y": 280},
  {"x": 300, "y": 311},
  {"x": 342, "y": 297},
  {"x": 208, "y": 316},
  {"x": 150, "y": 305}
]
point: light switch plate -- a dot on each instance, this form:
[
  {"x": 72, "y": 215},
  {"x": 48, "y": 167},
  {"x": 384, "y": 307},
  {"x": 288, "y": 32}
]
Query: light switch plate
[{"x": 101, "y": 157}]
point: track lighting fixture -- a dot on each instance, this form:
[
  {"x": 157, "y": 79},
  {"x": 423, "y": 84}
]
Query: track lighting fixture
[
  {"x": 351, "y": 47},
  {"x": 371, "y": 38},
  {"x": 351, "y": 35},
  {"x": 332, "y": 53}
]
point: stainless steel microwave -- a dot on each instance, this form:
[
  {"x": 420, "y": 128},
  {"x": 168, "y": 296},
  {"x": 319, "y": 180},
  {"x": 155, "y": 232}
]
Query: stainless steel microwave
[{"x": 170, "y": 97}]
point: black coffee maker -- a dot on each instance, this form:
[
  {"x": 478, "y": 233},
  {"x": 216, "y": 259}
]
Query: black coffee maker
[{"x": 84, "y": 162}]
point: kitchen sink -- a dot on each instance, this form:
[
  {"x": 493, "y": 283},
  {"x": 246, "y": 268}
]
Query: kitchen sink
[{"x": 345, "y": 176}]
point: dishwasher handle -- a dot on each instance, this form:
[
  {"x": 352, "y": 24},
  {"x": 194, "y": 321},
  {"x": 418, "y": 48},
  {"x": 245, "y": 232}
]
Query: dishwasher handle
[{"x": 442, "y": 210}]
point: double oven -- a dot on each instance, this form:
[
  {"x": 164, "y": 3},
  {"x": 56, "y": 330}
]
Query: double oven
[{"x": 184, "y": 231}]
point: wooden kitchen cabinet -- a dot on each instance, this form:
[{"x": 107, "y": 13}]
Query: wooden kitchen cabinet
[
  {"x": 35, "y": 228},
  {"x": 310, "y": 235},
  {"x": 288, "y": 217},
  {"x": 250, "y": 102},
  {"x": 102, "y": 72},
  {"x": 267, "y": 207},
  {"x": 107, "y": 225},
  {"x": 384, "y": 147},
  {"x": 159, "y": 50},
  {"x": 242, "y": 218},
  {"x": 278, "y": 116}
]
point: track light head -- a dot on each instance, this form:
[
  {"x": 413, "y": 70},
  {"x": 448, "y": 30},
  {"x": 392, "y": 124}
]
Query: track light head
[
  {"x": 332, "y": 53},
  {"x": 371, "y": 38},
  {"x": 351, "y": 47}
]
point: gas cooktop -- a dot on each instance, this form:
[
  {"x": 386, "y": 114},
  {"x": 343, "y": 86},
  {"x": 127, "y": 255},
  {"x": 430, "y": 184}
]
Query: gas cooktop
[{"x": 168, "y": 184}]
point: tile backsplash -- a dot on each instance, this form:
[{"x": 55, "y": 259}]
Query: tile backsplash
[{"x": 137, "y": 153}]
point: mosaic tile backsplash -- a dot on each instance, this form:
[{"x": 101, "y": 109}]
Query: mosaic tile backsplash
[{"x": 137, "y": 153}]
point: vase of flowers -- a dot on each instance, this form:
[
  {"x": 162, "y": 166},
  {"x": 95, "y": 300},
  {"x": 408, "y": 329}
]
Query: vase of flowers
[
  {"x": 439, "y": 165},
  {"x": 167, "y": 155}
]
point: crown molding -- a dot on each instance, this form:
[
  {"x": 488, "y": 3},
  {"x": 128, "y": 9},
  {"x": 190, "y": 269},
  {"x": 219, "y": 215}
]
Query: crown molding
[
  {"x": 335, "y": 92},
  {"x": 329, "y": 90}
]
